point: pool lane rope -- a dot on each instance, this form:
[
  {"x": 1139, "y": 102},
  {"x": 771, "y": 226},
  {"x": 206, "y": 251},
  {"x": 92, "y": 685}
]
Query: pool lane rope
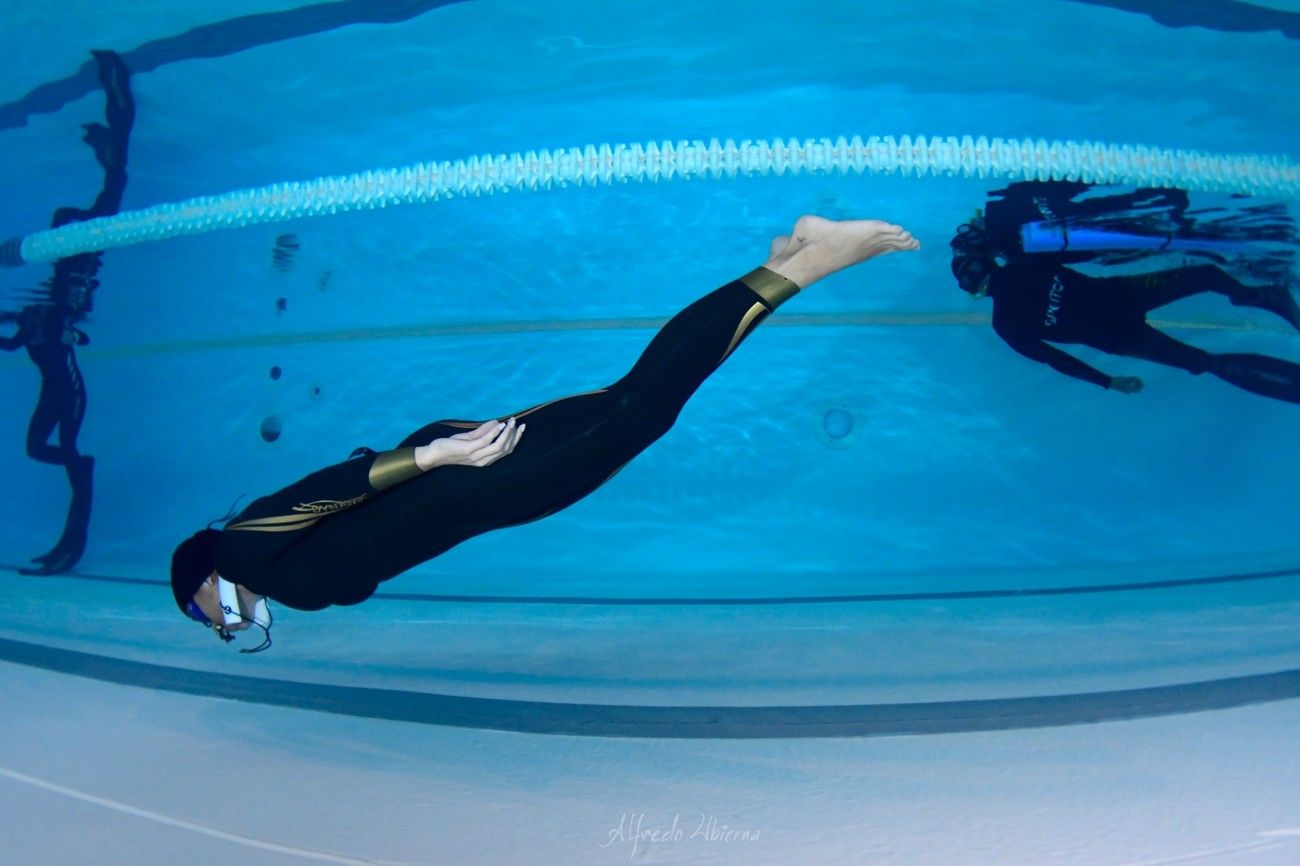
[{"x": 606, "y": 164}]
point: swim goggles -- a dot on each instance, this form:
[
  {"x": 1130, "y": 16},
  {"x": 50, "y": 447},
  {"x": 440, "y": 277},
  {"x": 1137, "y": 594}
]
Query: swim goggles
[{"x": 196, "y": 613}]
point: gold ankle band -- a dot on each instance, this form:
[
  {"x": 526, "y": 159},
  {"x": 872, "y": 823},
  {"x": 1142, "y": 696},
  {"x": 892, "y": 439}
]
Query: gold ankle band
[{"x": 773, "y": 288}]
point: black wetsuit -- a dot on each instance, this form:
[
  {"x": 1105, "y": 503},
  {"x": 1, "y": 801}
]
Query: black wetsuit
[
  {"x": 48, "y": 330},
  {"x": 1037, "y": 301},
  {"x": 333, "y": 536}
]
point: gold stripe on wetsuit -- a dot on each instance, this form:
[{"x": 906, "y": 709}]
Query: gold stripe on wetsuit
[
  {"x": 281, "y": 523},
  {"x": 388, "y": 469},
  {"x": 305, "y": 514}
]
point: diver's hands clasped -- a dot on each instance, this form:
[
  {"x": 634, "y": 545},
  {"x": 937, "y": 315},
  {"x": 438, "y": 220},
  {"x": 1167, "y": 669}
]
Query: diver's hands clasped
[{"x": 482, "y": 446}]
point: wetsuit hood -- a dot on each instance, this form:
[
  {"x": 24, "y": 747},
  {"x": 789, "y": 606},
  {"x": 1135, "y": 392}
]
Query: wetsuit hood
[
  {"x": 972, "y": 256},
  {"x": 192, "y": 562}
]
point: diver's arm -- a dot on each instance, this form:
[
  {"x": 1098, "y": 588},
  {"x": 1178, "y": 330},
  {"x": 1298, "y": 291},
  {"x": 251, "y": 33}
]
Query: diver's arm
[
  {"x": 1061, "y": 362},
  {"x": 341, "y": 486},
  {"x": 1205, "y": 278},
  {"x": 327, "y": 491},
  {"x": 251, "y": 545}
]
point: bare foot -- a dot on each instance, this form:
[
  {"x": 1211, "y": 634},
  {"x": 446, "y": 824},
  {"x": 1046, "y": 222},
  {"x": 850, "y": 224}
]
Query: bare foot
[
  {"x": 818, "y": 247},
  {"x": 778, "y": 243}
]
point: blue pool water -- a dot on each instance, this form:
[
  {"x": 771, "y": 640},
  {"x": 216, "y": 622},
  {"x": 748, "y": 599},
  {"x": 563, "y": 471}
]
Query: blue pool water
[
  {"x": 968, "y": 458},
  {"x": 874, "y": 443}
]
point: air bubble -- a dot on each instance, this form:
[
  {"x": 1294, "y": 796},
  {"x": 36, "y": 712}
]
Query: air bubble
[{"x": 271, "y": 428}]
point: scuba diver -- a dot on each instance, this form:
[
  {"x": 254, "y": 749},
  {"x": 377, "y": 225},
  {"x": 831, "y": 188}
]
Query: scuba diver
[
  {"x": 332, "y": 537},
  {"x": 47, "y": 327},
  {"x": 1019, "y": 252}
]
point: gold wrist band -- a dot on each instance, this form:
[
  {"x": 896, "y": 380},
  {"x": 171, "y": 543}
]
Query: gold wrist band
[
  {"x": 773, "y": 288},
  {"x": 393, "y": 467}
]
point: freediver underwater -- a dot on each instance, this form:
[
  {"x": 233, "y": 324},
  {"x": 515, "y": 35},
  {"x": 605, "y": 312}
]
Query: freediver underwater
[
  {"x": 1023, "y": 248},
  {"x": 332, "y": 537},
  {"x": 48, "y": 325}
]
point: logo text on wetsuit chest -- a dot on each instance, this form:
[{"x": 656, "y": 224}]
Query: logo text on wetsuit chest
[
  {"x": 1054, "y": 301},
  {"x": 328, "y": 506}
]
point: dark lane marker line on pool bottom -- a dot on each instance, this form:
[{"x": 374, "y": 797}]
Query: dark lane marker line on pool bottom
[{"x": 667, "y": 722}]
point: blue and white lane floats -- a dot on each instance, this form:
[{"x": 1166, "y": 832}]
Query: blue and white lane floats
[{"x": 607, "y": 164}]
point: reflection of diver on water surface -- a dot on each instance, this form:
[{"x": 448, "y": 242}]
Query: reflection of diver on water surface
[
  {"x": 47, "y": 328},
  {"x": 48, "y": 336},
  {"x": 1019, "y": 253},
  {"x": 333, "y": 536}
]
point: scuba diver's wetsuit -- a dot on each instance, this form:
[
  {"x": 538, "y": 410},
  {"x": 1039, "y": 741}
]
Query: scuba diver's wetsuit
[
  {"x": 333, "y": 536},
  {"x": 1039, "y": 300},
  {"x": 48, "y": 331}
]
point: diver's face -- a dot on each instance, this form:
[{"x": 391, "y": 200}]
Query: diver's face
[{"x": 208, "y": 599}]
